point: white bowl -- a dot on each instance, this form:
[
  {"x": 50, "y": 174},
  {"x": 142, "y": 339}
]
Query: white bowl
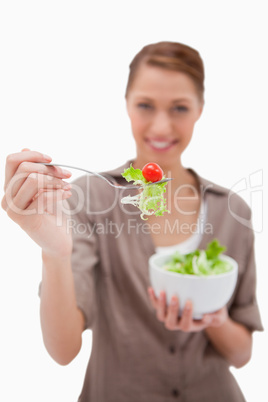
[{"x": 207, "y": 293}]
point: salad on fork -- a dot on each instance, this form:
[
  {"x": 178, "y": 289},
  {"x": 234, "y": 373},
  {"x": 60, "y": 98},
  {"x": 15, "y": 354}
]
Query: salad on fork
[{"x": 150, "y": 200}]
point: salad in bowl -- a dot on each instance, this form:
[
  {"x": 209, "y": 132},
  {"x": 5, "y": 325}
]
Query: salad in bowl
[{"x": 206, "y": 277}]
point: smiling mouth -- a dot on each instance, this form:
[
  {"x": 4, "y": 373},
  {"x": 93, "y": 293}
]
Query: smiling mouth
[{"x": 161, "y": 145}]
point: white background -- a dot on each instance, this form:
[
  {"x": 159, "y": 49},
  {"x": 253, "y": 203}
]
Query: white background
[{"x": 63, "y": 72}]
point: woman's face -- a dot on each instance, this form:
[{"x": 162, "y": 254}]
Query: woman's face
[{"x": 163, "y": 107}]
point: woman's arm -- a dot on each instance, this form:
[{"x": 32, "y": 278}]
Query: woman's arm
[
  {"x": 61, "y": 321},
  {"x": 34, "y": 197},
  {"x": 232, "y": 340}
]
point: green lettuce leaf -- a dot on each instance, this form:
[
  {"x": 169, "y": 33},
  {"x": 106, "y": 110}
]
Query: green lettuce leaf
[
  {"x": 131, "y": 174},
  {"x": 214, "y": 249}
]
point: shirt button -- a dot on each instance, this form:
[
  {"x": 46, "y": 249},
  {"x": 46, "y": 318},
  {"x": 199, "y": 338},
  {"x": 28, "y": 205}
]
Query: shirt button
[
  {"x": 172, "y": 349},
  {"x": 175, "y": 392}
]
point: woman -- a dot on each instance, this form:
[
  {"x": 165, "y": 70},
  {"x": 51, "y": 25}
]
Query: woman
[{"x": 95, "y": 259}]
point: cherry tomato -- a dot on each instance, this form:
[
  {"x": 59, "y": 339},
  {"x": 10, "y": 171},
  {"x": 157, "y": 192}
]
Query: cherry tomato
[{"x": 152, "y": 172}]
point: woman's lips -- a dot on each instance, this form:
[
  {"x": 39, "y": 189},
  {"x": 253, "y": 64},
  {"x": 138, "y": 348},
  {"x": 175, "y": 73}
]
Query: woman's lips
[{"x": 161, "y": 145}]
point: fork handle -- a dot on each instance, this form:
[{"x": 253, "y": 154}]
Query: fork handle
[{"x": 90, "y": 172}]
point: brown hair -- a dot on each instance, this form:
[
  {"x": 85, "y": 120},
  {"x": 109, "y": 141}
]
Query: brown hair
[{"x": 171, "y": 56}]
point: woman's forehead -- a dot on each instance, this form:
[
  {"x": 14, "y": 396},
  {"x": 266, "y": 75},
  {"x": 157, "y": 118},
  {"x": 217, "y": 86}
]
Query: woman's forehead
[{"x": 153, "y": 81}]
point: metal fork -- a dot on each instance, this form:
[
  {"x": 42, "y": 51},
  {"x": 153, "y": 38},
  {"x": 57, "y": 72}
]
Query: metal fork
[{"x": 109, "y": 181}]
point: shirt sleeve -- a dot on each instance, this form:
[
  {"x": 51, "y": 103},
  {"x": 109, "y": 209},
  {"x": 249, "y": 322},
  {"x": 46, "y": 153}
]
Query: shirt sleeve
[
  {"x": 84, "y": 260},
  {"x": 244, "y": 308}
]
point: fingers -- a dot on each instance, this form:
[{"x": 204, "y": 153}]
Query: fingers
[
  {"x": 188, "y": 324},
  {"x": 158, "y": 303},
  {"x": 169, "y": 315},
  {"x": 217, "y": 318},
  {"x": 153, "y": 298},
  {"x": 186, "y": 320},
  {"x": 48, "y": 201},
  {"x": 161, "y": 307},
  {"x": 14, "y": 160},
  {"x": 26, "y": 168},
  {"x": 33, "y": 185},
  {"x": 41, "y": 171},
  {"x": 36, "y": 183},
  {"x": 19, "y": 167},
  {"x": 171, "y": 321}
]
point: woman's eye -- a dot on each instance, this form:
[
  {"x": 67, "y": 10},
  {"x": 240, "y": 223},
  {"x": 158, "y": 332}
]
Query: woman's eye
[
  {"x": 181, "y": 109},
  {"x": 144, "y": 106}
]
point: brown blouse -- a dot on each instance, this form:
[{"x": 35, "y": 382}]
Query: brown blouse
[{"x": 134, "y": 357}]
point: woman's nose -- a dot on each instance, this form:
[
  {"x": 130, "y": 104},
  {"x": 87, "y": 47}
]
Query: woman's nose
[{"x": 161, "y": 124}]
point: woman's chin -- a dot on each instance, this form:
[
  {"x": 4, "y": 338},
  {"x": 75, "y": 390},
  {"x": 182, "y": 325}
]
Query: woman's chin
[{"x": 170, "y": 157}]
